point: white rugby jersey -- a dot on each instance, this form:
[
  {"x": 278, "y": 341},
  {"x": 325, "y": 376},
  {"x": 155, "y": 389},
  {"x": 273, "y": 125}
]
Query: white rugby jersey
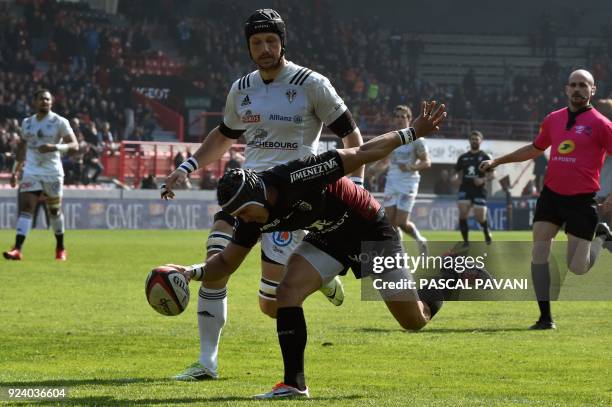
[
  {"x": 283, "y": 119},
  {"x": 50, "y": 130},
  {"x": 407, "y": 154}
]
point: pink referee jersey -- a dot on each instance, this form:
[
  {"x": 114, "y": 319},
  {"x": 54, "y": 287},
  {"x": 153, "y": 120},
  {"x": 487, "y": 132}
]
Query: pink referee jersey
[{"x": 577, "y": 154}]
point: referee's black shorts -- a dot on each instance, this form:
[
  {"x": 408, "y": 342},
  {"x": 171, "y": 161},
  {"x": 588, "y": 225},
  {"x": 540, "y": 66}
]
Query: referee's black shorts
[{"x": 578, "y": 212}]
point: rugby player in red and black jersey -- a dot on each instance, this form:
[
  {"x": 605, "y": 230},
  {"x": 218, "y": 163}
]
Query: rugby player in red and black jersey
[{"x": 313, "y": 194}]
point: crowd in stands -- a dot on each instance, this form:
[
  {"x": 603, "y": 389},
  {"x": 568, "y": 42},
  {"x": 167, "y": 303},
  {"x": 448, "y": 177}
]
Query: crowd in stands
[
  {"x": 80, "y": 54},
  {"x": 373, "y": 66}
]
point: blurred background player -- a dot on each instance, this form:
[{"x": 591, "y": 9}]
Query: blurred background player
[
  {"x": 403, "y": 177},
  {"x": 45, "y": 136},
  {"x": 473, "y": 191},
  {"x": 579, "y": 137},
  {"x": 279, "y": 109}
]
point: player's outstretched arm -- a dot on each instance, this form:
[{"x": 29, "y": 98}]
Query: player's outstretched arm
[
  {"x": 528, "y": 152},
  {"x": 212, "y": 149},
  {"x": 219, "y": 266},
  {"x": 379, "y": 147}
]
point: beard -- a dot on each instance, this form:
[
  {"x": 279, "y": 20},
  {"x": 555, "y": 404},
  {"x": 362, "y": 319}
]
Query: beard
[
  {"x": 474, "y": 146},
  {"x": 578, "y": 101},
  {"x": 276, "y": 63}
]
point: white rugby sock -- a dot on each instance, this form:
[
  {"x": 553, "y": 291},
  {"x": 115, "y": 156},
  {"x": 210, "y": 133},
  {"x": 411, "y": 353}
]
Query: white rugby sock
[
  {"x": 596, "y": 245},
  {"x": 24, "y": 223},
  {"x": 212, "y": 313},
  {"x": 57, "y": 224}
]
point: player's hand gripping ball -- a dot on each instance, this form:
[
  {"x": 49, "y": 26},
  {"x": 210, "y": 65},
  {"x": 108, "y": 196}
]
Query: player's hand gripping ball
[{"x": 167, "y": 290}]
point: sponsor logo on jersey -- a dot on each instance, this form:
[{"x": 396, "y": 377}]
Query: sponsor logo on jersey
[
  {"x": 297, "y": 119},
  {"x": 250, "y": 117},
  {"x": 314, "y": 170},
  {"x": 282, "y": 239},
  {"x": 259, "y": 141},
  {"x": 326, "y": 226},
  {"x": 320, "y": 225},
  {"x": 584, "y": 130},
  {"x": 246, "y": 101},
  {"x": 270, "y": 225},
  {"x": 566, "y": 147},
  {"x": 291, "y": 95}
]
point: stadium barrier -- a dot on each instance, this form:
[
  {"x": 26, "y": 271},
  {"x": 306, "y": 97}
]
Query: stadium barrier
[
  {"x": 138, "y": 159},
  {"x": 193, "y": 210}
]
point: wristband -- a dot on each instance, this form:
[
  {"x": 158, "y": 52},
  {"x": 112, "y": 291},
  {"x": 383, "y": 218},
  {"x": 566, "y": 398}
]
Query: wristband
[
  {"x": 62, "y": 148},
  {"x": 407, "y": 135},
  {"x": 197, "y": 271},
  {"x": 357, "y": 180},
  {"x": 188, "y": 166}
]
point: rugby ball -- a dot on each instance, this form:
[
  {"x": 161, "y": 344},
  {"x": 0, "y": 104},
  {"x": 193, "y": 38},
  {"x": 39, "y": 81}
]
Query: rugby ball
[{"x": 167, "y": 290}]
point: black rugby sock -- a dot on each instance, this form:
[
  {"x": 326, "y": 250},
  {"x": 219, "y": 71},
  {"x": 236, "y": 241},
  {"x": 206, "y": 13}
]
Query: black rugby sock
[
  {"x": 19, "y": 239},
  {"x": 292, "y": 337},
  {"x": 485, "y": 230},
  {"x": 540, "y": 275},
  {"x": 59, "y": 239},
  {"x": 434, "y": 297},
  {"x": 463, "y": 227}
]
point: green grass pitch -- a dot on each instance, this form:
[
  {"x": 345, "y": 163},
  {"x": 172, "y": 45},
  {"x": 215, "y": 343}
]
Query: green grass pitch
[{"x": 85, "y": 324}]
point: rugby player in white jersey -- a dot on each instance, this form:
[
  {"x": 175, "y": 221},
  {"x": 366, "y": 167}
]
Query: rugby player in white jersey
[
  {"x": 279, "y": 109},
  {"x": 403, "y": 178},
  {"x": 44, "y": 136}
]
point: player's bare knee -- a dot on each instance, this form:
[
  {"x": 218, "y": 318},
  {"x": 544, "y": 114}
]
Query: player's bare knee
[
  {"x": 579, "y": 269},
  {"x": 268, "y": 307},
  {"x": 413, "y": 323},
  {"x": 289, "y": 296}
]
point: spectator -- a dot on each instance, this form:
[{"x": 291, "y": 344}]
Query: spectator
[
  {"x": 443, "y": 185},
  {"x": 178, "y": 159},
  {"x": 530, "y": 189},
  {"x": 5, "y": 150},
  {"x": 235, "y": 160},
  {"x": 148, "y": 182},
  {"x": 208, "y": 181},
  {"x": 91, "y": 164}
]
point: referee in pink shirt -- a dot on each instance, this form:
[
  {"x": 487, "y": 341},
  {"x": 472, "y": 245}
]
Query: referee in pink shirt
[{"x": 579, "y": 137}]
